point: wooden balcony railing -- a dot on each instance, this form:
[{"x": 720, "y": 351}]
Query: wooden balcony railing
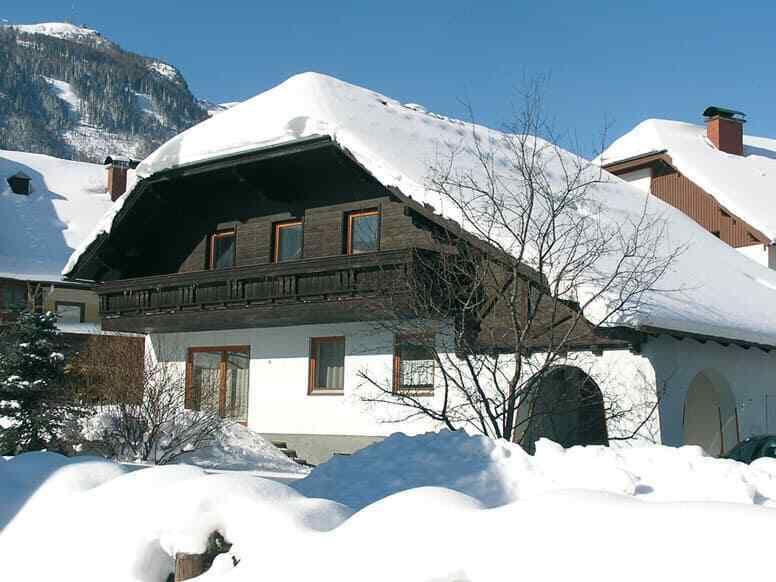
[{"x": 299, "y": 281}]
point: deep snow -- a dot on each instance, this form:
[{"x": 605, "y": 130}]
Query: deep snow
[
  {"x": 453, "y": 507},
  {"x": 397, "y": 144}
]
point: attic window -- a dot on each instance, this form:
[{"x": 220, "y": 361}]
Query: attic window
[{"x": 20, "y": 183}]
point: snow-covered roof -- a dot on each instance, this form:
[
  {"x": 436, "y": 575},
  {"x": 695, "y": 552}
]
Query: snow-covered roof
[
  {"x": 722, "y": 293},
  {"x": 745, "y": 185},
  {"x": 39, "y": 232}
]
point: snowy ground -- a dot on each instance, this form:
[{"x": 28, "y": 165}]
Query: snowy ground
[{"x": 438, "y": 507}]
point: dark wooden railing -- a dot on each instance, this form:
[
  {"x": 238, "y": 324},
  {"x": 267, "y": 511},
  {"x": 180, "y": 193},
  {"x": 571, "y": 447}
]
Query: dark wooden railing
[{"x": 306, "y": 280}]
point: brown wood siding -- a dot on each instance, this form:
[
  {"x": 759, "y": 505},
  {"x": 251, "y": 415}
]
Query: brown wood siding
[
  {"x": 680, "y": 192},
  {"x": 321, "y": 188}
]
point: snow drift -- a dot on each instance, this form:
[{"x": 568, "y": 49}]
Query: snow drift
[{"x": 454, "y": 507}]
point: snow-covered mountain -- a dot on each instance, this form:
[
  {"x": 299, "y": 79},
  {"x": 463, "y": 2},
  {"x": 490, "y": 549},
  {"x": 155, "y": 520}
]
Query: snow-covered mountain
[{"x": 67, "y": 91}]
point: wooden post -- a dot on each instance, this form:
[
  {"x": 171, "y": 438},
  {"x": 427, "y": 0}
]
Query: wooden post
[{"x": 188, "y": 566}]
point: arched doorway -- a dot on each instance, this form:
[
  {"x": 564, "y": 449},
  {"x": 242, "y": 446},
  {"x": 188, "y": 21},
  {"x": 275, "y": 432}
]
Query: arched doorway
[
  {"x": 565, "y": 405},
  {"x": 710, "y": 417}
]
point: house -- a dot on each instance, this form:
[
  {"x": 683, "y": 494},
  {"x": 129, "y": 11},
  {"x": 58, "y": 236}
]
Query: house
[
  {"x": 47, "y": 207},
  {"x": 716, "y": 174},
  {"x": 252, "y": 243}
]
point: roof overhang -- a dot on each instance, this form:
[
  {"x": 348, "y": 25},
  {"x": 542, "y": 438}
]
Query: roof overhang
[
  {"x": 636, "y": 336},
  {"x": 638, "y": 162}
]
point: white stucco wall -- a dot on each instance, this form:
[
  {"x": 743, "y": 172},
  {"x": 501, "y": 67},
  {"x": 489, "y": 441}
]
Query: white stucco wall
[
  {"x": 627, "y": 382},
  {"x": 641, "y": 179},
  {"x": 750, "y": 375},
  {"x": 669, "y": 367},
  {"x": 279, "y": 401}
]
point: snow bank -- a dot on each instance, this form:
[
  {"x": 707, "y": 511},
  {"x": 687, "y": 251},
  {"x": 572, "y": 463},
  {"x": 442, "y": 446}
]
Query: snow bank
[
  {"x": 235, "y": 448},
  {"x": 398, "y": 144},
  {"x": 463, "y": 508},
  {"x": 128, "y": 527},
  {"x": 498, "y": 472}
]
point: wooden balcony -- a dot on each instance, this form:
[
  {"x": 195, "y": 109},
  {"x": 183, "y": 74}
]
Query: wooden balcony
[{"x": 325, "y": 290}]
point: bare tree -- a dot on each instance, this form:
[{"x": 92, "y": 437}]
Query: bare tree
[
  {"x": 498, "y": 306},
  {"x": 140, "y": 405}
]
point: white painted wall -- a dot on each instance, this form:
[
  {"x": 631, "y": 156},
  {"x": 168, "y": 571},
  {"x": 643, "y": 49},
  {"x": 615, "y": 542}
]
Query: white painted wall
[
  {"x": 278, "y": 400},
  {"x": 641, "y": 179},
  {"x": 627, "y": 382},
  {"x": 750, "y": 374},
  {"x": 669, "y": 366}
]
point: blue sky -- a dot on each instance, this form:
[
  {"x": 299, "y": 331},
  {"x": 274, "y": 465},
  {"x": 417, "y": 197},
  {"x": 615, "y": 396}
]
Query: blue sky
[{"x": 612, "y": 63}]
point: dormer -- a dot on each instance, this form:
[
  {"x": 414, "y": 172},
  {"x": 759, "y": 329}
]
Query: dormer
[{"x": 20, "y": 183}]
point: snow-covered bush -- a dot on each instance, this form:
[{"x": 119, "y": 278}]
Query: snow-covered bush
[
  {"x": 148, "y": 422},
  {"x": 37, "y": 396}
]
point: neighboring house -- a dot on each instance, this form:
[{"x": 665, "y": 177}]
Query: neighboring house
[
  {"x": 717, "y": 175},
  {"x": 47, "y": 207},
  {"x": 251, "y": 244}
]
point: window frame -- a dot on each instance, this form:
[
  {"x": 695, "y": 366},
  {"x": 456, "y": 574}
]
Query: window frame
[
  {"x": 276, "y": 228},
  {"x": 219, "y": 234},
  {"x": 79, "y": 304},
  {"x": 312, "y": 368},
  {"x": 349, "y": 229},
  {"x": 189, "y": 396},
  {"x": 424, "y": 390}
]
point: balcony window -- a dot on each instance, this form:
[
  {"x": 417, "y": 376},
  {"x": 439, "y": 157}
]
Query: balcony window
[
  {"x": 70, "y": 312},
  {"x": 223, "y": 249},
  {"x": 218, "y": 379},
  {"x": 327, "y": 365},
  {"x": 413, "y": 365},
  {"x": 288, "y": 241},
  {"x": 363, "y": 232}
]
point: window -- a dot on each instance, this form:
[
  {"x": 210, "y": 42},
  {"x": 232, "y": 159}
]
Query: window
[
  {"x": 288, "y": 241},
  {"x": 20, "y": 184},
  {"x": 327, "y": 365},
  {"x": 69, "y": 312},
  {"x": 13, "y": 298},
  {"x": 223, "y": 249},
  {"x": 218, "y": 379},
  {"x": 363, "y": 232},
  {"x": 413, "y": 364}
]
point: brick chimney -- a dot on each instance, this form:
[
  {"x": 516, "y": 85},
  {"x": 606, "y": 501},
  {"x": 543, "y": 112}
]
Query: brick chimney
[
  {"x": 118, "y": 166},
  {"x": 725, "y": 129}
]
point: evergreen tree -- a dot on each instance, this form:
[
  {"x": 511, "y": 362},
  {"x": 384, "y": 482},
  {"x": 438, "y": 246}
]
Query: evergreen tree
[{"x": 36, "y": 400}]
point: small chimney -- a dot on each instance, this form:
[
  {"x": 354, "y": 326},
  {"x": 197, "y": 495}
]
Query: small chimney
[
  {"x": 118, "y": 166},
  {"x": 725, "y": 129}
]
